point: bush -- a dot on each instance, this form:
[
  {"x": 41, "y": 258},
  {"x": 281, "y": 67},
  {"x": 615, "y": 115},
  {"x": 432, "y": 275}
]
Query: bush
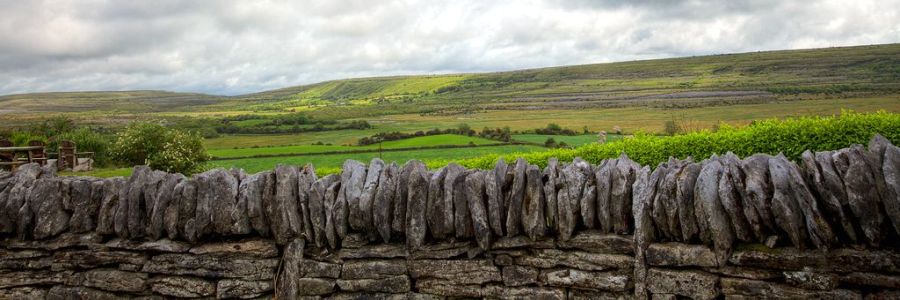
[
  {"x": 87, "y": 140},
  {"x": 773, "y": 136},
  {"x": 22, "y": 138},
  {"x": 161, "y": 148}
]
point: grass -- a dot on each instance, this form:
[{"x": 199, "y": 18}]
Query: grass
[
  {"x": 571, "y": 140},
  {"x": 331, "y": 161},
  {"x": 425, "y": 141}
]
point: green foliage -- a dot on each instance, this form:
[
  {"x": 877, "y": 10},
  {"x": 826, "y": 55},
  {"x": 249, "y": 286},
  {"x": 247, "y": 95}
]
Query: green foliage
[
  {"x": 21, "y": 138},
  {"x": 789, "y": 136},
  {"x": 550, "y": 143},
  {"x": 161, "y": 148},
  {"x": 88, "y": 140},
  {"x": 671, "y": 128}
]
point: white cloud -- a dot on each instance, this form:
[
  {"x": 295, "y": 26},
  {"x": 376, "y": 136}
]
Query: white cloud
[{"x": 233, "y": 47}]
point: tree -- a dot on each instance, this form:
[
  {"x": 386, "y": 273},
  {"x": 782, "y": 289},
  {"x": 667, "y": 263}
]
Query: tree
[{"x": 550, "y": 143}]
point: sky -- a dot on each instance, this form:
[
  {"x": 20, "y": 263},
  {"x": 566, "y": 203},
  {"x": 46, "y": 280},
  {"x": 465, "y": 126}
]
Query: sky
[{"x": 235, "y": 47}]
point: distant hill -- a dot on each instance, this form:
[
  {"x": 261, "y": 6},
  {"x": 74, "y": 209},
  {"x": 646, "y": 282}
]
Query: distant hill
[{"x": 754, "y": 77}]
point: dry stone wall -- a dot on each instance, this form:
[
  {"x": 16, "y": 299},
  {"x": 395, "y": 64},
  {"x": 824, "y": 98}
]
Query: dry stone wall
[{"x": 758, "y": 227}]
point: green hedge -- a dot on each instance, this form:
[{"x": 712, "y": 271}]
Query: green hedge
[{"x": 789, "y": 136}]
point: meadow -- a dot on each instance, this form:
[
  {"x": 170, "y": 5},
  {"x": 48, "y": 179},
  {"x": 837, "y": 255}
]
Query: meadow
[{"x": 643, "y": 98}]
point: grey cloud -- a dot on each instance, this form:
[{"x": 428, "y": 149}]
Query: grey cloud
[{"x": 233, "y": 47}]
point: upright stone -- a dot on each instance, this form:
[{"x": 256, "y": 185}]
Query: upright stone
[
  {"x": 551, "y": 176},
  {"x": 353, "y": 179},
  {"x": 45, "y": 199},
  {"x": 289, "y": 279},
  {"x": 367, "y": 200},
  {"x": 604, "y": 185},
  {"x": 476, "y": 196},
  {"x": 785, "y": 208},
  {"x": 757, "y": 204},
  {"x": 685, "y": 201},
  {"x": 493, "y": 184},
  {"x": 863, "y": 196},
  {"x": 306, "y": 179},
  {"x": 516, "y": 197},
  {"x": 385, "y": 198},
  {"x": 435, "y": 208},
  {"x": 533, "y": 218},
  {"x": 707, "y": 193},
  {"x": 284, "y": 215},
  {"x": 416, "y": 208}
]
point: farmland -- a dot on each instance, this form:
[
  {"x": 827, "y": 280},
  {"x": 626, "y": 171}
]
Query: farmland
[{"x": 458, "y": 116}]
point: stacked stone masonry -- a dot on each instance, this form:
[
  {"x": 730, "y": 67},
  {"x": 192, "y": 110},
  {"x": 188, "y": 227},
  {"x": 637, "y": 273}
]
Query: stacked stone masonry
[{"x": 759, "y": 227}]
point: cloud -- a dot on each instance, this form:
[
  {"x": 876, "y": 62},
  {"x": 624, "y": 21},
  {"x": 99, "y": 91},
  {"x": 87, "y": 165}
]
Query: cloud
[{"x": 235, "y": 47}]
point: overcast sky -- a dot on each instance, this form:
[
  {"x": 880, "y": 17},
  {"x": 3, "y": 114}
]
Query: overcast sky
[{"x": 242, "y": 46}]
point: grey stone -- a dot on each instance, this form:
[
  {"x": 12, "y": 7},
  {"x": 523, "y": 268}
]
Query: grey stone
[
  {"x": 515, "y": 199},
  {"x": 820, "y": 231},
  {"x": 519, "y": 275},
  {"x": 693, "y": 284},
  {"x": 316, "y": 209},
  {"x": 252, "y": 247},
  {"x": 182, "y": 287},
  {"x": 84, "y": 204},
  {"x": 373, "y": 269},
  {"x": 60, "y": 292},
  {"x": 757, "y": 204},
  {"x": 443, "y": 250},
  {"x": 571, "y": 278},
  {"x": 494, "y": 183},
  {"x": 644, "y": 233},
  {"x": 862, "y": 198},
  {"x": 353, "y": 179},
  {"x": 575, "y": 294},
  {"x": 839, "y": 260},
  {"x": 45, "y": 199},
  {"x": 398, "y": 219},
  {"x": 331, "y": 197},
  {"x": 533, "y": 217},
  {"x": 313, "y": 287},
  {"x": 187, "y": 209},
  {"x": 367, "y": 199},
  {"x": 550, "y": 258},
  {"x": 455, "y": 271},
  {"x": 305, "y": 188},
  {"x": 163, "y": 245},
  {"x": 494, "y": 291},
  {"x": 680, "y": 255},
  {"x": 521, "y": 242},
  {"x": 603, "y": 178},
  {"x": 685, "y": 201},
  {"x": 115, "y": 280},
  {"x": 392, "y": 284},
  {"x": 319, "y": 269},
  {"x": 476, "y": 204},
  {"x": 288, "y": 280},
  {"x": 732, "y": 194},
  {"x": 86, "y": 259},
  {"x": 786, "y": 210},
  {"x": 250, "y": 195},
  {"x": 551, "y": 185},
  {"x": 891, "y": 170},
  {"x": 340, "y": 214},
  {"x": 746, "y": 272},
  {"x": 436, "y": 210},
  {"x": 29, "y": 278},
  {"x": 23, "y": 293},
  {"x": 164, "y": 198},
  {"x": 284, "y": 214},
  {"x": 828, "y": 185},
  {"x": 599, "y": 242},
  {"x": 811, "y": 280},
  {"x": 416, "y": 227},
  {"x": 374, "y": 251},
  {"x": 565, "y": 216},
  {"x": 670, "y": 189},
  {"x": 448, "y": 289},
  {"x": 108, "y": 204},
  {"x": 623, "y": 177},
  {"x": 763, "y": 289},
  {"x": 385, "y": 198},
  {"x": 587, "y": 202},
  {"x": 864, "y": 279},
  {"x": 231, "y": 288},
  {"x": 658, "y": 204},
  {"x": 455, "y": 197},
  {"x": 706, "y": 193},
  {"x": 14, "y": 198},
  {"x": 211, "y": 266}
]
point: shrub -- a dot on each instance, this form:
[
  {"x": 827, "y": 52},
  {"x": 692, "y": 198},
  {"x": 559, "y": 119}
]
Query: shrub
[
  {"x": 22, "y": 138},
  {"x": 161, "y": 148},
  {"x": 88, "y": 140},
  {"x": 550, "y": 143},
  {"x": 773, "y": 136}
]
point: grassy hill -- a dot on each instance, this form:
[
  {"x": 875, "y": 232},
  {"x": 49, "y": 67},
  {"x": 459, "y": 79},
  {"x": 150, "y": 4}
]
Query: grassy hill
[{"x": 757, "y": 77}]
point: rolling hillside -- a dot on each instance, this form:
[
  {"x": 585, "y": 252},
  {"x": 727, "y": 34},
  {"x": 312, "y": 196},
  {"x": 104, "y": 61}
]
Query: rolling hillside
[{"x": 757, "y": 77}]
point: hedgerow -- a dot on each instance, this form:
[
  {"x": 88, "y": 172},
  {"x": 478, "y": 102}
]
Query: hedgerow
[{"x": 789, "y": 136}]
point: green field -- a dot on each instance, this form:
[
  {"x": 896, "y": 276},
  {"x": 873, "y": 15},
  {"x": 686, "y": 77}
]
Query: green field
[
  {"x": 330, "y": 161},
  {"x": 696, "y": 93},
  {"x": 571, "y": 140},
  {"x": 425, "y": 141}
]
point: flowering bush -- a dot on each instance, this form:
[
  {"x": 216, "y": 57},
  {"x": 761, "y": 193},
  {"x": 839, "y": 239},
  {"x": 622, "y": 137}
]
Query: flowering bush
[{"x": 161, "y": 148}]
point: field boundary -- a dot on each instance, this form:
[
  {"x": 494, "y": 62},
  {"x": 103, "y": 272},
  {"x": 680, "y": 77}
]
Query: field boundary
[{"x": 215, "y": 158}]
